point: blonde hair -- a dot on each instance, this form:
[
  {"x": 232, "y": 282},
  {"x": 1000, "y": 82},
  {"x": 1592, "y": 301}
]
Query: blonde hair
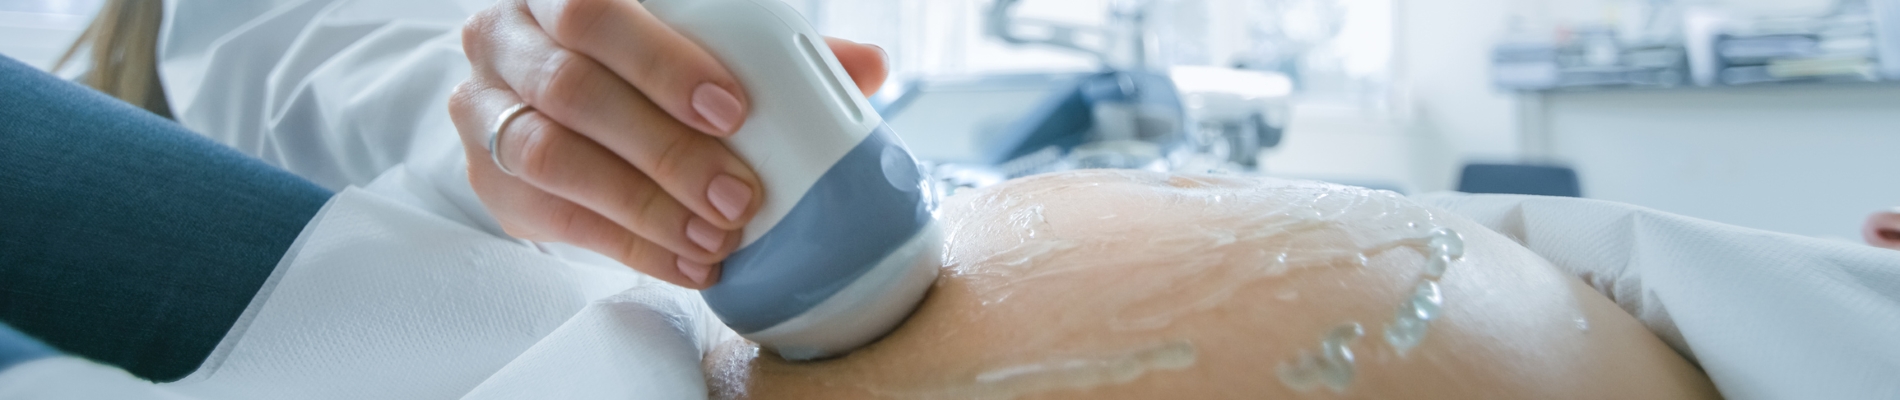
[{"x": 123, "y": 42}]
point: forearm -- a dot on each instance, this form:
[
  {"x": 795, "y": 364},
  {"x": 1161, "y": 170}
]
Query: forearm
[{"x": 126, "y": 238}]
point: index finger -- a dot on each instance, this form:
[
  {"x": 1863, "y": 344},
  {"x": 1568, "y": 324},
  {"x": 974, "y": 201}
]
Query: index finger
[{"x": 671, "y": 70}]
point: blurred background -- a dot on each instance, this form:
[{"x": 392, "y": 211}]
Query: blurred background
[
  {"x": 1772, "y": 114},
  {"x": 37, "y": 32}
]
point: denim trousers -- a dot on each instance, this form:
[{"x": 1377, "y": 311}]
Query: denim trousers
[{"x": 124, "y": 237}]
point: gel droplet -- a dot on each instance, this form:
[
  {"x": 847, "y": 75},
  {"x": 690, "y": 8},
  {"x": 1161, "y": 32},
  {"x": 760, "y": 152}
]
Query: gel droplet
[
  {"x": 1426, "y": 300},
  {"x": 1332, "y": 367},
  {"x": 1436, "y": 264},
  {"x": 1405, "y": 333},
  {"x": 1447, "y": 242}
]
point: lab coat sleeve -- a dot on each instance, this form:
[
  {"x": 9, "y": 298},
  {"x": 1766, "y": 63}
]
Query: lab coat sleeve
[
  {"x": 336, "y": 91},
  {"x": 1767, "y": 315}
]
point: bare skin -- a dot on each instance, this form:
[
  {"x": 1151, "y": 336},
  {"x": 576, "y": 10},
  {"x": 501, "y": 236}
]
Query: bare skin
[
  {"x": 1120, "y": 284},
  {"x": 1883, "y": 229}
]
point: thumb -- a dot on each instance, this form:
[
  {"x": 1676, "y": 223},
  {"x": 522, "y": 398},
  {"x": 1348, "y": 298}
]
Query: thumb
[{"x": 864, "y": 62}]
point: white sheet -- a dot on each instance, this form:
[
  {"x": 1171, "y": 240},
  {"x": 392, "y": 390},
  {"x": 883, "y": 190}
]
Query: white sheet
[{"x": 1767, "y": 315}]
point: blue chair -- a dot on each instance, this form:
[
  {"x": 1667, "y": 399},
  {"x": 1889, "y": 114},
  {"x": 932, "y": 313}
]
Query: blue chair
[{"x": 1539, "y": 180}]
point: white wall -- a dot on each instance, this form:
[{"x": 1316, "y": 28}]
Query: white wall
[
  {"x": 1444, "y": 53},
  {"x": 1812, "y": 160}
]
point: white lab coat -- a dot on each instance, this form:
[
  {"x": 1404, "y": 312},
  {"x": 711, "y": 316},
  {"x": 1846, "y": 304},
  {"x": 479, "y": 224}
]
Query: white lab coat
[
  {"x": 335, "y": 91},
  {"x": 403, "y": 286}
]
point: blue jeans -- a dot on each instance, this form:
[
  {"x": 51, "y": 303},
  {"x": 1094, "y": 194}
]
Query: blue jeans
[{"x": 124, "y": 237}]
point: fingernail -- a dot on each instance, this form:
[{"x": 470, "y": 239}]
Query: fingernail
[
  {"x": 881, "y": 53},
  {"x": 729, "y": 195},
  {"x": 703, "y": 233},
  {"x": 717, "y": 106},
  {"x": 695, "y": 271}
]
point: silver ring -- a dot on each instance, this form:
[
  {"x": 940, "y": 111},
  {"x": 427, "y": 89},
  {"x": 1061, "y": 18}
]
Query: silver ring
[{"x": 494, "y": 133}]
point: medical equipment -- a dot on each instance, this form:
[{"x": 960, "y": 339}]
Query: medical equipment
[
  {"x": 845, "y": 244},
  {"x": 1123, "y": 117},
  {"x": 1133, "y": 114},
  {"x": 1234, "y": 113},
  {"x": 956, "y": 119}
]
